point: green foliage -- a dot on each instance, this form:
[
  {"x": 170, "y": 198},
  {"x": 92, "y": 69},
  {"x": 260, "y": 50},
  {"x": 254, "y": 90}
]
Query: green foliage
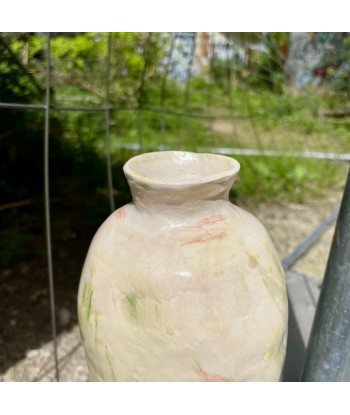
[
  {"x": 335, "y": 60},
  {"x": 285, "y": 179},
  {"x": 17, "y": 82},
  {"x": 260, "y": 117},
  {"x": 19, "y": 130},
  {"x": 268, "y": 72},
  {"x": 220, "y": 71},
  {"x": 81, "y": 62},
  {"x": 22, "y": 132}
]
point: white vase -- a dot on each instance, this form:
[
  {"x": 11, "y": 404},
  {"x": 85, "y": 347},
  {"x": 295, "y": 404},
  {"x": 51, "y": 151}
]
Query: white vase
[{"x": 182, "y": 285}]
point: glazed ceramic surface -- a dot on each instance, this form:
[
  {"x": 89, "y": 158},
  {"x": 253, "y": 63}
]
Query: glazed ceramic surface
[{"x": 182, "y": 285}]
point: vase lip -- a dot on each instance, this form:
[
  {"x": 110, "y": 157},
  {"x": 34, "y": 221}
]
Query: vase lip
[{"x": 224, "y": 167}]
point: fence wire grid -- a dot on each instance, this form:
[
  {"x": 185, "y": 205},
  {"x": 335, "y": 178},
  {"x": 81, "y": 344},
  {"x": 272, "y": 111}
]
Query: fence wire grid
[{"x": 157, "y": 84}]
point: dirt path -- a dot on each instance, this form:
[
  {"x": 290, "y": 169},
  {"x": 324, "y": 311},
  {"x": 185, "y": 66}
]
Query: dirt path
[{"x": 288, "y": 225}]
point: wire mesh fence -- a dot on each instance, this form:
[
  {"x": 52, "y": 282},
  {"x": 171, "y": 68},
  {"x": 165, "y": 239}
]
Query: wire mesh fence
[{"x": 121, "y": 93}]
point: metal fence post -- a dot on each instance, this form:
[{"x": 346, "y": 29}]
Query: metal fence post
[
  {"x": 47, "y": 206},
  {"x": 328, "y": 354},
  {"x": 107, "y": 126}
]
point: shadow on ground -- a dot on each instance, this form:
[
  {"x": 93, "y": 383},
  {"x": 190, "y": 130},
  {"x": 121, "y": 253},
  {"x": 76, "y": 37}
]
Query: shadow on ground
[
  {"x": 25, "y": 306},
  {"x": 296, "y": 350}
]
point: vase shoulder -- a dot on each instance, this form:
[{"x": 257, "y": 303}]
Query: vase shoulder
[{"x": 201, "y": 286}]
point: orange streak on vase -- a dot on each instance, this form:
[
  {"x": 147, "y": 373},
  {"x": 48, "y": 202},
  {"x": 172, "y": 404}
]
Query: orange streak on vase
[
  {"x": 205, "y": 238},
  {"x": 211, "y": 377},
  {"x": 120, "y": 213},
  {"x": 211, "y": 219}
]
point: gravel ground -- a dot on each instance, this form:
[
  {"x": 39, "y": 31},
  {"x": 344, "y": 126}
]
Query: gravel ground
[
  {"x": 291, "y": 224},
  {"x": 38, "y": 365},
  {"x": 288, "y": 225}
]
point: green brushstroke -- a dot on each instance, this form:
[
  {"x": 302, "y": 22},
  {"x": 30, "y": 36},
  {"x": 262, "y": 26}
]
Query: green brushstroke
[
  {"x": 109, "y": 357},
  {"x": 276, "y": 291},
  {"x": 278, "y": 265},
  {"x": 142, "y": 308},
  {"x": 89, "y": 306},
  {"x": 87, "y": 300},
  {"x": 131, "y": 301}
]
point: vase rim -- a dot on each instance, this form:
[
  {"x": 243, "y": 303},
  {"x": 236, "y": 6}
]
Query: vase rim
[{"x": 138, "y": 167}]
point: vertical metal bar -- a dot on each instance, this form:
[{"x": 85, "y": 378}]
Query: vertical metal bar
[
  {"x": 189, "y": 71},
  {"x": 252, "y": 124},
  {"x": 229, "y": 53},
  {"x": 208, "y": 91},
  {"x": 187, "y": 88},
  {"x": 249, "y": 108},
  {"x": 107, "y": 126},
  {"x": 276, "y": 143},
  {"x": 229, "y": 73},
  {"x": 164, "y": 82},
  {"x": 249, "y": 164},
  {"x": 47, "y": 205},
  {"x": 328, "y": 354},
  {"x": 140, "y": 95},
  {"x": 139, "y": 129}
]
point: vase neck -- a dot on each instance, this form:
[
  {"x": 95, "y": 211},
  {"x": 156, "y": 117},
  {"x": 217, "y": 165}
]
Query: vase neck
[
  {"x": 175, "y": 178},
  {"x": 145, "y": 195}
]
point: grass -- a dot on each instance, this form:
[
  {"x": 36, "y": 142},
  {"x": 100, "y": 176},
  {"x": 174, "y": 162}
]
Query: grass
[
  {"x": 232, "y": 116},
  {"x": 287, "y": 179},
  {"x": 250, "y": 119}
]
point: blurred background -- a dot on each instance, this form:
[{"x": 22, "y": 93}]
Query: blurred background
[{"x": 277, "y": 102}]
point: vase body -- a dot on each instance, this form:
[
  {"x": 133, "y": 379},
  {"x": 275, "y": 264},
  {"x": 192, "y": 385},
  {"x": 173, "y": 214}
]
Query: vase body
[{"x": 182, "y": 285}]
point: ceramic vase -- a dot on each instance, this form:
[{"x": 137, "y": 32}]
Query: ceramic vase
[{"x": 180, "y": 284}]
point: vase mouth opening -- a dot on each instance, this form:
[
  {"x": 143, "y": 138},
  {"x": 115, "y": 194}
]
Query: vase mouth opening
[{"x": 180, "y": 168}]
